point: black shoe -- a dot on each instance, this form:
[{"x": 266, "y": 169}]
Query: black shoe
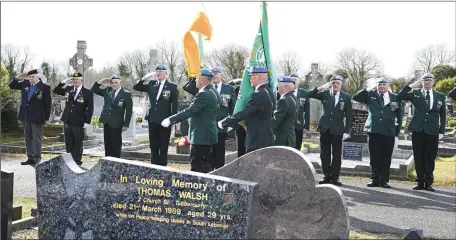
[
  {"x": 373, "y": 184},
  {"x": 419, "y": 187},
  {"x": 325, "y": 180},
  {"x": 28, "y": 162},
  {"x": 429, "y": 188},
  {"x": 79, "y": 163},
  {"x": 336, "y": 182},
  {"x": 385, "y": 185}
]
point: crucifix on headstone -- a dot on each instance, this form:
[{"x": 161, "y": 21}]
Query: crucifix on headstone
[{"x": 80, "y": 63}]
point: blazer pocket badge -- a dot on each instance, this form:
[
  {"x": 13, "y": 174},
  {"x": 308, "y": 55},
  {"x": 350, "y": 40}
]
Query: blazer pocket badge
[
  {"x": 120, "y": 103},
  {"x": 80, "y": 100},
  {"x": 439, "y": 104},
  {"x": 393, "y": 106},
  {"x": 166, "y": 94},
  {"x": 342, "y": 105},
  {"x": 39, "y": 96},
  {"x": 302, "y": 101},
  {"x": 225, "y": 99}
]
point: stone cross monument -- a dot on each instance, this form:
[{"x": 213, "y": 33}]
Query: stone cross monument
[
  {"x": 150, "y": 67},
  {"x": 80, "y": 63},
  {"x": 315, "y": 79}
]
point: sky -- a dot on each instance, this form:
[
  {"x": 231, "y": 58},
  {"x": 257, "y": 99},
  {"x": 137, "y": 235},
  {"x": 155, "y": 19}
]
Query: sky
[{"x": 316, "y": 31}]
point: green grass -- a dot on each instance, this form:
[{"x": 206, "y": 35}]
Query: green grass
[
  {"x": 311, "y": 144},
  {"x": 355, "y": 234},
  {"x": 144, "y": 142},
  {"x": 444, "y": 172},
  {"x": 8, "y": 139},
  {"x": 27, "y": 205}
]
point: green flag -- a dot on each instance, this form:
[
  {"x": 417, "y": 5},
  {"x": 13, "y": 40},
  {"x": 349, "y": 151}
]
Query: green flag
[{"x": 260, "y": 56}]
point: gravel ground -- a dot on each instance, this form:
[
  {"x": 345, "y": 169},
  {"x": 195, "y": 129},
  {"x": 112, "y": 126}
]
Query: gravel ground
[{"x": 26, "y": 234}]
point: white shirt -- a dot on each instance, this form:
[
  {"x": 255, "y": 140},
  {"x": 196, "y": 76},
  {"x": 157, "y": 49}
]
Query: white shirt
[
  {"x": 295, "y": 92},
  {"x": 219, "y": 87},
  {"x": 386, "y": 98},
  {"x": 202, "y": 89},
  {"x": 162, "y": 83},
  {"x": 77, "y": 92},
  {"x": 117, "y": 92},
  {"x": 431, "y": 97},
  {"x": 337, "y": 97}
]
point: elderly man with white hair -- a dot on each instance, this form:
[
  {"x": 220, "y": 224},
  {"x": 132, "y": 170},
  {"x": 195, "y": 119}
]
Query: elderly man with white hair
[
  {"x": 284, "y": 117},
  {"x": 34, "y": 111}
]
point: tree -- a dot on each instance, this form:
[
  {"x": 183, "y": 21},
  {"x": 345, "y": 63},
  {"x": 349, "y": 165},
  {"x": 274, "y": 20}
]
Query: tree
[
  {"x": 170, "y": 53},
  {"x": 397, "y": 84},
  {"x": 446, "y": 85},
  {"x": 433, "y": 55},
  {"x": 357, "y": 66},
  {"x": 15, "y": 58},
  {"x": 443, "y": 71},
  {"x": 288, "y": 63},
  {"x": 233, "y": 58},
  {"x": 8, "y": 100}
]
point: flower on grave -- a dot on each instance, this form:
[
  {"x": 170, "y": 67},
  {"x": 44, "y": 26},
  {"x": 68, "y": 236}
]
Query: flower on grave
[{"x": 181, "y": 141}]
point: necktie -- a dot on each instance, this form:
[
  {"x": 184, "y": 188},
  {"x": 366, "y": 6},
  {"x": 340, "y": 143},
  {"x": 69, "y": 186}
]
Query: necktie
[
  {"x": 334, "y": 99},
  {"x": 113, "y": 96},
  {"x": 31, "y": 91},
  {"x": 75, "y": 90},
  {"x": 428, "y": 99},
  {"x": 382, "y": 100},
  {"x": 217, "y": 87}
]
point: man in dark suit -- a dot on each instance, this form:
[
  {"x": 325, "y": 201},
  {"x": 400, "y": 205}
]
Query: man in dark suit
[
  {"x": 34, "y": 111},
  {"x": 76, "y": 115},
  {"x": 229, "y": 97},
  {"x": 257, "y": 112},
  {"x": 163, "y": 99},
  {"x": 427, "y": 127},
  {"x": 202, "y": 127},
  {"x": 383, "y": 126},
  {"x": 336, "y": 106},
  {"x": 453, "y": 94},
  {"x": 303, "y": 121},
  {"x": 285, "y": 114},
  {"x": 116, "y": 114}
]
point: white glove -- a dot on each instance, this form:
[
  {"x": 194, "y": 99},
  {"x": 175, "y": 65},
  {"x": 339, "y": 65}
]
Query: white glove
[
  {"x": 166, "y": 122},
  {"x": 66, "y": 81},
  {"x": 325, "y": 86},
  {"x": 372, "y": 87},
  {"x": 230, "y": 128},
  {"x": 440, "y": 136},
  {"x": 416, "y": 84},
  {"x": 219, "y": 124},
  {"x": 148, "y": 75},
  {"x": 346, "y": 135},
  {"x": 86, "y": 125},
  {"x": 396, "y": 142}
]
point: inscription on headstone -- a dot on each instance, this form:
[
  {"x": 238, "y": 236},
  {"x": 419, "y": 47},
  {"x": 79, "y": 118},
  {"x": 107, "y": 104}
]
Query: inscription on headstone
[
  {"x": 120, "y": 199},
  {"x": 358, "y": 133},
  {"x": 353, "y": 151},
  {"x": 7, "y": 203}
]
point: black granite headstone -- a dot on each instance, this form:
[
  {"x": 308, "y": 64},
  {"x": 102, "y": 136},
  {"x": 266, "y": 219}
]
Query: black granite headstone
[
  {"x": 407, "y": 124},
  {"x": 358, "y": 133},
  {"x": 120, "y": 199},
  {"x": 7, "y": 203}
]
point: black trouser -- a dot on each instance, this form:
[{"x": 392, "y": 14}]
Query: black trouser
[
  {"x": 381, "y": 150},
  {"x": 330, "y": 143},
  {"x": 425, "y": 149},
  {"x": 240, "y": 137},
  {"x": 112, "y": 141},
  {"x": 199, "y": 158},
  {"x": 251, "y": 150},
  {"x": 217, "y": 155},
  {"x": 159, "y": 142},
  {"x": 299, "y": 138},
  {"x": 74, "y": 136}
]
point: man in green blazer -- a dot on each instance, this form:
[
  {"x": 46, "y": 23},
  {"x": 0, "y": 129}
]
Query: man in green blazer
[
  {"x": 257, "y": 112},
  {"x": 229, "y": 96},
  {"x": 116, "y": 114},
  {"x": 383, "y": 125},
  {"x": 427, "y": 127},
  {"x": 337, "y": 106},
  {"x": 284, "y": 118},
  {"x": 303, "y": 121},
  {"x": 202, "y": 127}
]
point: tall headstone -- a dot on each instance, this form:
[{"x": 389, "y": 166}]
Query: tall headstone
[
  {"x": 314, "y": 78},
  {"x": 7, "y": 183},
  {"x": 354, "y": 145},
  {"x": 122, "y": 199},
  {"x": 152, "y": 63},
  {"x": 80, "y": 63}
]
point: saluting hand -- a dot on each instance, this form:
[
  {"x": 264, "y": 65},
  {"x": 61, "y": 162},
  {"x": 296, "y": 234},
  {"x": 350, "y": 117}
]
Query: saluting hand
[
  {"x": 104, "y": 81},
  {"x": 22, "y": 76},
  {"x": 325, "y": 86},
  {"x": 416, "y": 84}
]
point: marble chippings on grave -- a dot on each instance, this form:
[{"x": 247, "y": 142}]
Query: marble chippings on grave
[
  {"x": 120, "y": 199},
  {"x": 288, "y": 203}
]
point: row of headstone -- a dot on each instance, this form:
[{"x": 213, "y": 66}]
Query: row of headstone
[{"x": 269, "y": 194}]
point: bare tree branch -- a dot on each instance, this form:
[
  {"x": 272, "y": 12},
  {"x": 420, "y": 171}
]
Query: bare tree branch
[
  {"x": 288, "y": 63},
  {"x": 432, "y": 55},
  {"x": 232, "y": 58}
]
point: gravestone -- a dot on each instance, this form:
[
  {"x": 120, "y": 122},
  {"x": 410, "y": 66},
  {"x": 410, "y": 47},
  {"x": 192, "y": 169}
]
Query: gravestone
[
  {"x": 7, "y": 203},
  {"x": 121, "y": 199},
  {"x": 407, "y": 124},
  {"x": 315, "y": 79},
  {"x": 290, "y": 203},
  {"x": 353, "y": 146},
  {"x": 181, "y": 129}
]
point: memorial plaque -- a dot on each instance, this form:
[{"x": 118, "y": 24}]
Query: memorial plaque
[
  {"x": 358, "y": 133},
  {"x": 121, "y": 199},
  {"x": 352, "y": 151}
]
